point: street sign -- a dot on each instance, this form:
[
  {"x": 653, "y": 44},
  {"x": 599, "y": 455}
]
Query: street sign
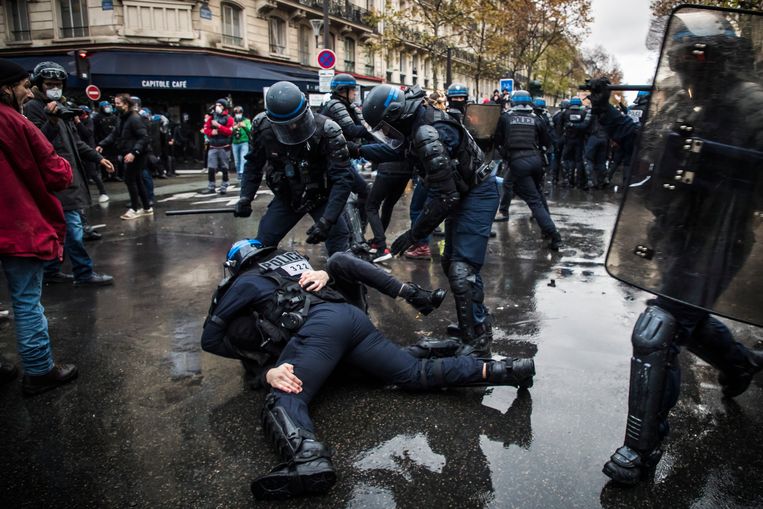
[
  {"x": 507, "y": 84},
  {"x": 324, "y": 80},
  {"x": 92, "y": 92},
  {"x": 326, "y": 59}
]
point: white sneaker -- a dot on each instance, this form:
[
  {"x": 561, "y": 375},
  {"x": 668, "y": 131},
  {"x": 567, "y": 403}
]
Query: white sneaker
[
  {"x": 147, "y": 212},
  {"x": 130, "y": 214},
  {"x": 103, "y": 198}
]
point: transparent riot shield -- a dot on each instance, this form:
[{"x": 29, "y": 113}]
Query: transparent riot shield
[
  {"x": 481, "y": 120},
  {"x": 690, "y": 227}
]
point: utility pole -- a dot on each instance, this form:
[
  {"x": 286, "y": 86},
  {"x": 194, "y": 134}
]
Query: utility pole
[
  {"x": 326, "y": 34},
  {"x": 449, "y": 68}
]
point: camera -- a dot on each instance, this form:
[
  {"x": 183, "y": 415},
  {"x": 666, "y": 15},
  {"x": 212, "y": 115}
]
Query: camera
[{"x": 65, "y": 112}]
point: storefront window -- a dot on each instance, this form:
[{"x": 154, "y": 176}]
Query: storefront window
[
  {"x": 231, "y": 15},
  {"x": 277, "y": 36},
  {"x": 73, "y": 18},
  {"x": 18, "y": 17},
  {"x": 349, "y": 54},
  {"x": 305, "y": 34}
]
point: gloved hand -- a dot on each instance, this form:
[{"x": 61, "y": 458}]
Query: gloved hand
[
  {"x": 354, "y": 149},
  {"x": 599, "y": 94},
  {"x": 243, "y": 208},
  {"x": 402, "y": 243},
  {"x": 319, "y": 231}
]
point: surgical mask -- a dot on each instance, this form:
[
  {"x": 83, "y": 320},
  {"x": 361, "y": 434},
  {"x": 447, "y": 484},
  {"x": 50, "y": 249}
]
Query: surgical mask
[
  {"x": 54, "y": 93},
  {"x": 219, "y": 109},
  {"x": 107, "y": 110},
  {"x": 239, "y": 116}
]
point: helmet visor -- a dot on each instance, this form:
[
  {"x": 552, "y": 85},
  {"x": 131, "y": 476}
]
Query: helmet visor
[
  {"x": 297, "y": 130},
  {"x": 388, "y": 135}
]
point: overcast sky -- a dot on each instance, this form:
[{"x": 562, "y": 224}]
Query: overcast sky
[{"x": 621, "y": 27}]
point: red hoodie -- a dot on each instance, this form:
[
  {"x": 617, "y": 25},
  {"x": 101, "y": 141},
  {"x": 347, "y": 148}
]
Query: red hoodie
[{"x": 31, "y": 218}]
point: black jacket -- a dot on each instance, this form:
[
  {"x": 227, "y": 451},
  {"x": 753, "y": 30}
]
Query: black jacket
[
  {"x": 129, "y": 136},
  {"x": 67, "y": 144}
]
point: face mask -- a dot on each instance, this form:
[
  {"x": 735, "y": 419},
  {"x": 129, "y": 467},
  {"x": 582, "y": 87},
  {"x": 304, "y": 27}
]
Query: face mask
[
  {"x": 54, "y": 93},
  {"x": 219, "y": 109},
  {"x": 107, "y": 110},
  {"x": 239, "y": 116}
]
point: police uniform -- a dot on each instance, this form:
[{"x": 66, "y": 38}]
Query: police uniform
[{"x": 576, "y": 121}]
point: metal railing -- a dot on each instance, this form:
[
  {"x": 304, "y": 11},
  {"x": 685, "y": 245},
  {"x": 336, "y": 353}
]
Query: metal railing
[
  {"x": 74, "y": 31},
  {"x": 341, "y": 9}
]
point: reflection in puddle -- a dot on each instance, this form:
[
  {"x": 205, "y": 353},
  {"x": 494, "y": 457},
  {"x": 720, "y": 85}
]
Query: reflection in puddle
[
  {"x": 371, "y": 497},
  {"x": 401, "y": 454},
  {"x": 185, "y": 354}
]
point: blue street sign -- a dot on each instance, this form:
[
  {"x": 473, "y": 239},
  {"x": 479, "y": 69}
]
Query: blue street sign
[{"x": 507, "y": 84}]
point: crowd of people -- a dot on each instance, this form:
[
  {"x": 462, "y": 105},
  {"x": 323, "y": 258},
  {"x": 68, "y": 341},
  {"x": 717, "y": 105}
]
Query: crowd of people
[{"x": 290, "y": 324}]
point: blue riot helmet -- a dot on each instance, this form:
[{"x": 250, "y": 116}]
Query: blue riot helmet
[
  {"x": 343, "y": 82},
  {"x": 539, "y": 103},
  {"x": 576, "y": 102},
  {"x": 521, "y": 100},
  {"x": 642, "y": 97},
  {"x": 564, "y": 104},
  {"x": 289, "y": 113},
  {"x": 457, "y": 90},
  {"x": 243, "y": 253},
  {"x": 388, "y": 111}
]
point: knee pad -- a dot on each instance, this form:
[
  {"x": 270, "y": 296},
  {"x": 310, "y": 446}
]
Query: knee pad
[
  {"x": 462, "y": 277},
  {"x": 431, "y": 374},
  {"x": 654, "y": 331}
]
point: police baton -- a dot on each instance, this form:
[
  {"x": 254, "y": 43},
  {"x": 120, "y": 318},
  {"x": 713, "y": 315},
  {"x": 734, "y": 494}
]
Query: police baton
[{"x": 192, "y": 212}]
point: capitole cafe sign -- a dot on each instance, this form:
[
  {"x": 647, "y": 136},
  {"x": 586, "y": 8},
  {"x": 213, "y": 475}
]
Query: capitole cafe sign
[{"x": 164, "y": 84}]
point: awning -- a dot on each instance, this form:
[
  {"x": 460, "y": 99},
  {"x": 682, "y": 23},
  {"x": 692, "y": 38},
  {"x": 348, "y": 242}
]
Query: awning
[{"x": 177, "y": 71}]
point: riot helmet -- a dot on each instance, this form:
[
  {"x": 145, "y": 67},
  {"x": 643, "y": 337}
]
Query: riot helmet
[
  {"x": 642, "y": 98},
  {"x": 564, "y": 104},
  {"x": 521, "y": 100},
  {"x": 243, "y": 253},
  {"x": 576, "y": 102},
  {"x": 457, "y": 95},
  {"x": 539, "y": 103},
  {"x": 289, "y": 113},
  {"x": 343, "y": 82},
  {"x": 388, "y": 111},
  {"x": 48, "y": 71}
]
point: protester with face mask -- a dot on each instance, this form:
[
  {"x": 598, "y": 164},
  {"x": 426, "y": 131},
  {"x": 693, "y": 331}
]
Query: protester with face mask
[
  {"x": 104, "y": 121},
  {"x": 218, "y": 128},
  {"x": 242, "y": 132},
  {"x": 48, "y": 111},
  {"x": 32, "y": 229}
]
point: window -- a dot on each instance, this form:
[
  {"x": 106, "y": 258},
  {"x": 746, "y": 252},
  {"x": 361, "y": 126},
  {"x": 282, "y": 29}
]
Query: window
[
  {"x": 73, "y": 18},
  {"x": 305, "y": 34},
  {"x": 18, "y": 18},
  {"x": 277, "y": 36},
  {"x": 403, "y": 69},
  {"x": 370, "y": 64},
  {"x": 349, "y": 54},
  {"x": 414, "y": 65},
  {"x": 232, "y": 15}
]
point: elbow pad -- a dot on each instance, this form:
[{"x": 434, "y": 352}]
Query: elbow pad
[{"x": 337, "y": 145}]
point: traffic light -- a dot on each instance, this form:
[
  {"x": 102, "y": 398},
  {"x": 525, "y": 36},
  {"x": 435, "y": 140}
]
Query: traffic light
[
  {"x": 535, "y": 88},
  {"x": 82, "y": 61}
]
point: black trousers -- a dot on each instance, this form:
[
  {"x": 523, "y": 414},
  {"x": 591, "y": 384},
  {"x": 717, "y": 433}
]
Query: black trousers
[
  {"x": 385, "y": 193},
  {"x": 135, "y": 185}
]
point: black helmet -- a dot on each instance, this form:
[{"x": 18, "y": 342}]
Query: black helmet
[
  {"x": 244, "y": 253},
  {"x": 386, "y": 109},
  {"x": 457, "y": 90},
  {"x": 48, "y": 71},
  {"x": 289, "y": 113},
  {"x": 342, "y": 82}
]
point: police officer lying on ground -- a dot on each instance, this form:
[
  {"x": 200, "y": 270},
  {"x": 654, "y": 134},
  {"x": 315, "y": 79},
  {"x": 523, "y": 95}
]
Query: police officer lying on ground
[
  {"x": 701, "y": 229},
  {"x": 462, "y": 193},
  {"x": 276, "y": 306},
  {"x": 308, "y": 170}
]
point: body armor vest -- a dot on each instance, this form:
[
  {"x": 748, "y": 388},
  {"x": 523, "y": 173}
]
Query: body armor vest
[
  {"x": 297, "y": 174},
  {"x": 574, "y": 115},
  {"x": 522, "y": 133}
]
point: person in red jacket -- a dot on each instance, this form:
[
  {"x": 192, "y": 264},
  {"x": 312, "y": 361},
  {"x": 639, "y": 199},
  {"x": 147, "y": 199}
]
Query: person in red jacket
[
  {"x": 218, "y": 127},
  {"x": 32, "y": 229}
]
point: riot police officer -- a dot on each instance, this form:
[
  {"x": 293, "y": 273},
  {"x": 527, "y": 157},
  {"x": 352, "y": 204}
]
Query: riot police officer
[
  {"x": 274, "y": 309},
  {"x": 462, "y": 192},
  {"x": 576, "y": 121},
  {"x": 695, "y": 231},
  {"x": 637, "y": 110},
  {"x": 557, "y": 122},
  {"x": 342, "y": 110},
  {"x": 458, "y": 96},
  {"x": 521, "y": 137},
  {"x": 308, "y": 170}
]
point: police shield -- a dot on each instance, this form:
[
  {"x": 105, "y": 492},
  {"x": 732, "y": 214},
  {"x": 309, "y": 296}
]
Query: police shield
[
  {"x": 481, "y": 120},
  {"x": 690, "y": 227}
]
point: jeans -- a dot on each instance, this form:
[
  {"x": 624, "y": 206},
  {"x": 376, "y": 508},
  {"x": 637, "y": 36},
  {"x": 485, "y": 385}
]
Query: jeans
[
  {"x": 418, "y": 200},
  {"x": 24, "y": 276},
  {"x": 279, "y": 219},
  {"x": 148, "y": 181},
  {"x": 74, "y": 248},
  {"x": 334, "y": 332},
  {"x": 526, "y": 177},
  {"x": 240, "y": 150}
]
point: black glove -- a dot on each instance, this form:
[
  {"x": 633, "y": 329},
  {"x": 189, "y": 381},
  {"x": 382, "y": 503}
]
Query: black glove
[
  {"x": 354, "y": 149},
  {"x": 402, "y": 243},
  {"x": 319, "y": 231},
  {"x": 243, "y": 208},
  {"x": 599, "y": 94}
]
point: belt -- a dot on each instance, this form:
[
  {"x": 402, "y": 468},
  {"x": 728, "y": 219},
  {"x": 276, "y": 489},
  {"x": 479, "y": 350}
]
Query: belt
[{"x": 482, "y": 174}]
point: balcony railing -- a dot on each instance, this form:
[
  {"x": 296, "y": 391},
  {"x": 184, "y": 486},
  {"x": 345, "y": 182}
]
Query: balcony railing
[
  {"x": 341, "y": 9},
  {"x": 21, "y": 35},
  {"x": 74, "y": 31}
]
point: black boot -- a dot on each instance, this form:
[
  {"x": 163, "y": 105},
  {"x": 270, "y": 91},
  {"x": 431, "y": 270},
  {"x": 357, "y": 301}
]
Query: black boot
[
  {"x": 425, "y": 301},
  {"x": 513, "y": 372},
  {"x": 556, "y": 241},
  {"x": 629, "y": 467},
  {"x": 735, "y": 383}
]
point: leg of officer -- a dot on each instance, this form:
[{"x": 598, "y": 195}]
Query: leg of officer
[
  {"x": 277, "y": 221},
  {"x": 526, "y": 171},
  {"x": 339, "y": 235}
]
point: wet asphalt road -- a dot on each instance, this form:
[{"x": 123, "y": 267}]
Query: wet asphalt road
[{"x": 154, "y": 422}]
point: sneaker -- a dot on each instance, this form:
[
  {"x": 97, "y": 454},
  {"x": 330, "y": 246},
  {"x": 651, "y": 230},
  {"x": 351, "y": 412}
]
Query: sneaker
[
  {"x": 57, "y": 278},
  {"x": 103, "y": 198},
  {"x": 59, "y": 375},
  {"x": 502, "y": 216},
  {"x": 130, "y": 214},
  {"x": 147, "y": 212},
  {"x": 420, "y": 252},
  {"x": 384, "y": 256},
  {"x": 95, "y": 279},
  {"x": 208, "y": 191},
  {"x": 223, "y": 191}
]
